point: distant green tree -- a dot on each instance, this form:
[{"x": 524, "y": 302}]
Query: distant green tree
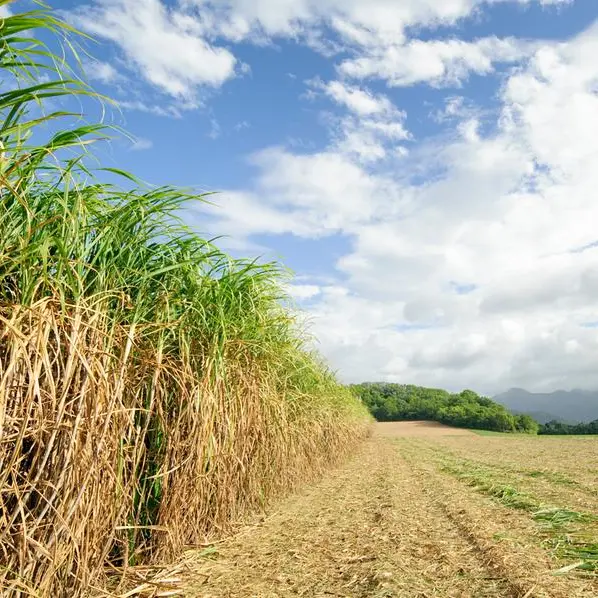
[
  {"x": 527, "y": 424},
  {"x": 467, "y": 409},
  {"x": 556, "y": 427}
]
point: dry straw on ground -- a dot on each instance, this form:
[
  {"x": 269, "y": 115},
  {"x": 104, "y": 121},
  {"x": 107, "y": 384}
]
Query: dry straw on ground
[{"x": 389, "y": 523}]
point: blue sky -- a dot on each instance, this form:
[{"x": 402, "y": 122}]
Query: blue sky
[{"x": 426, "y": 168}]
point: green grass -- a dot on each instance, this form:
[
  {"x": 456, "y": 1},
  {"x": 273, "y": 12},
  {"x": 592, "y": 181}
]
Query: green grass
[
  {"x": 524, "y": 435},
  {"x": 482, "y": 480},
  {"x": 589, "y": 436},
  {"x": 554, "y": 477},
  {"x": 503, "y": 434}
]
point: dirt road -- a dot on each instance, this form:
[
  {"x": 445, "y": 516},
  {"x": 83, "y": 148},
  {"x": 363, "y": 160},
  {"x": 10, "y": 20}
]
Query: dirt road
[{"x": 388, "y": 523}]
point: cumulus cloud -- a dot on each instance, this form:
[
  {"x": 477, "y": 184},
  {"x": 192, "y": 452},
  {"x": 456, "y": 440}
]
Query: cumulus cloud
[
  {"x": 308, "y": 195},
  {"x": 464, "y": 267},
  {"x": 180, "y": 48},
  {"x": 438, "y": 62},
  {"x": 484, "y": 274},
  {"x": 97, "y": 70},
  {"x": 166, "y": 46},
  {"x": 303, "y": 291},
  {"x": 553, "y": 103},
  {"x": 359, "y": 101},
  {"x": 372, "y": 126},
  {"x": 141, "y": 144},
  {"x": 361, "y": 22}
]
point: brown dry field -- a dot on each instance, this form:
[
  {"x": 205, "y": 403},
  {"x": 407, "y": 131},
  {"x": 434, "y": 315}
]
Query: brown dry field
[
  {"x": 415, "y": 513},
  {"x": 418, "y": 428}
]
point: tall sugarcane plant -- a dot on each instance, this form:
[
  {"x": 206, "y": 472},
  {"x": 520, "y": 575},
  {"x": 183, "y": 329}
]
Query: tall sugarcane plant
[{"x": 152, "y": 388}]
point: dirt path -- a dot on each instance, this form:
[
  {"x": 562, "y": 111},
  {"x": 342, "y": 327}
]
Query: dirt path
[{"x": 384, "y": 525}]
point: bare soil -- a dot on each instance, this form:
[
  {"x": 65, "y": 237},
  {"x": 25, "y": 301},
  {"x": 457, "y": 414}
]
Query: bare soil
[
  {"x": 419, "y": 429},
  {"x": 388, "y": 523}
]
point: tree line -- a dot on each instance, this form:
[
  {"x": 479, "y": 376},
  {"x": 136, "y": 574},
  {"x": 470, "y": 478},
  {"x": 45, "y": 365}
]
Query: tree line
[
  {"x": 557, "y": 427},
  {"x": 466, "y": 409}
]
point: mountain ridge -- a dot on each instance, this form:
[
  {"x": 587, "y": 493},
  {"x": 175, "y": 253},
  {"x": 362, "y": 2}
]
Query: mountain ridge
[{"x": 571, "y": 406}]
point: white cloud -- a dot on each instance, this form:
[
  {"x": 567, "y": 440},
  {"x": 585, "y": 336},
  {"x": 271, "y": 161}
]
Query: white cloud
[
  {"x": 175, "y": 47},
  {"x": 360, "y": 22},
  {"x": 457, "y": 108},
  {"x": 462, "y": 270},
  {"x": 240, "y": 214},
  {"x": 241, "y": 125},
  {"x": 374, "y": 31},
  {"x": 164, "y": 110},
  {"x": 307, "y": 195},
  {"x": 303, "y": 291},
  {"x": 358, "y": 101},
  {"x": 553, "y": 105},
  {"x": 215, "y": 129},
  {"x": 97, "y": 70},
  {"x": 372, "y": 127},
  {"x": 476, "y": 277},
  {"x": 439, "y": 62},
  {"x": 180, "y": 48},
  {"x": 165, "y": 45},
  {"x": 141, "y": 144},
  {"x": 371, "y": 140}
]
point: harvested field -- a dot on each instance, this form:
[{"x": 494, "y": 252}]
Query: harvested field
[
  {"x": 412, "y": 515},
  {"x": 419, "y": 429}
]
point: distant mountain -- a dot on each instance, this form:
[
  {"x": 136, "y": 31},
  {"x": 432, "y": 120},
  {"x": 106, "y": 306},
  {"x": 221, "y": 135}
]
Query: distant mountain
[{"x": 567, "y": 406}]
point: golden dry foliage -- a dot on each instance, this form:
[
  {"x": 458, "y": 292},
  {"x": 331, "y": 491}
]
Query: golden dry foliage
[{"x": 82, "y": 474}]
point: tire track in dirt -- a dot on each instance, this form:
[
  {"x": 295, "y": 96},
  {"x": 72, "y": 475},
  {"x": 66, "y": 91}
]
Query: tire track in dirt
[
  {"x": 368, "y": 529},
  {"x": 432, "y": 556}
]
